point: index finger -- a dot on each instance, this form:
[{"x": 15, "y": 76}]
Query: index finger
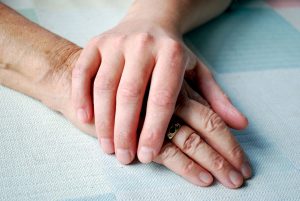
[{"x": 166, "y": 82}]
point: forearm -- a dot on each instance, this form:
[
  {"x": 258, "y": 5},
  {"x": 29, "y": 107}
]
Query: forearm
[
  {"x": 177, "y": 15},
  {"x": 24, "y": 42},
  {"x": 31, "y": 55},
  {"x": 38, "y": 63}
]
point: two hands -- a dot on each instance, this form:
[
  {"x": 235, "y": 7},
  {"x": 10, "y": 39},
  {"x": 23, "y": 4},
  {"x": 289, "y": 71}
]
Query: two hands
[
  {"x": 113, "y": 75},
  {"x": 202, "y": 148}
]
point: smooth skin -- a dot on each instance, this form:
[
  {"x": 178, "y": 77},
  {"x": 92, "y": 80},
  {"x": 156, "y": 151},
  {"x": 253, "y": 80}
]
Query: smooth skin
[
  {"x": 146, "y": 48},
  {"x": 202, "y": 149}
]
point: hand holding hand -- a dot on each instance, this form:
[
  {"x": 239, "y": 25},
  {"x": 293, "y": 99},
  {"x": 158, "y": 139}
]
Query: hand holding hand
[
  {"x": 119, "y": 64},
  {"x": 123, "y": 61},
  {"x": 205, "y": 148}
]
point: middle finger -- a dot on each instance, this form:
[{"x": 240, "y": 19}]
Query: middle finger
[{"x": 131, "y": 90}]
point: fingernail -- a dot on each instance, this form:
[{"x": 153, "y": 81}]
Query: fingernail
[
  {"x": 146, "y": 154},
  {"x": 124, "y": 156},
  {"x": 246, "y": 170},
  {"x": 107, "y": 145},
  {"x": 236, "y": 178},
  {"x": 82, "y": 115},
  {"x": 205, "y": 177}
]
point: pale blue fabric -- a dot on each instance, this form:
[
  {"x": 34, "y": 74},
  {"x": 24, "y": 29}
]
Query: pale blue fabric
[
  {"x": 255, "y": 35},
  {"x": 255, "y": 56}
]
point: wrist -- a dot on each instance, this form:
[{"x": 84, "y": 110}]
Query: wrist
[
  {"x": 57, "y": 76},
  {"x": 58, "y": 83},
  {"x": 140, "y": 15}
]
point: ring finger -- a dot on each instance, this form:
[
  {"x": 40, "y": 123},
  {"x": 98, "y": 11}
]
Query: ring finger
[
  {"x": 129, "y": 101},
  {"x": 105, "y": 88}
]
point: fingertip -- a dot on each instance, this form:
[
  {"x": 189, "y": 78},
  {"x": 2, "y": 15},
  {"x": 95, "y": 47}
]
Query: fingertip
[
  {"x": 246, "y": 170},
  {"x": 146, "y": 154},
  {"x": 236, "y": 179},
  {"x": 230, "y": 114},
  {"x": 82, "y": 105},
  {"x": 240, "y": 120},
  {"x": 107, "y": 145},
  {"x": 150, "y": 144},
  {"x": 124, "y": 156},
  {"x": 245, "y": 123},
  {"x": 205, "y": 178}
]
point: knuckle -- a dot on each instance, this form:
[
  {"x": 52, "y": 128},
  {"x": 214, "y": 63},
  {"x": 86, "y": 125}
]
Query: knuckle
[
  {"x": 176, "y": 56},
  {"x": 97, "y": 39},
  {"x": 163, "y": 98},
  {"x": 218, "y": 162},
  {"x": 192, "y": 143},
  {"x": 169, "y": 151},
  {"x": 115, "y": 40},
  {"x": 123, "y": 136},
  {"x": 188, "y": 167},
  {"x": 237, "y": 154},
  {"x": 102, "y": 126},
  {"x": 130, "y": 91},
  {"x": 175, "y": 46},
  {"x": 176, "y": 51},
  {"x": 104, "y": 84},
  {"x": 213, "y": 122},
  {"x": 118, "y": 40},
  {"x": 154, "y": 136},
  {"x": 144, "y": 38}
]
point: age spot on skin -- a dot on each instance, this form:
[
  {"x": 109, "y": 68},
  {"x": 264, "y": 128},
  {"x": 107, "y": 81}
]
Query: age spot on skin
[{"x": 4, "y": 65}]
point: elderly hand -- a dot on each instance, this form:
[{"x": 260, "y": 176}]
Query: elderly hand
[{"x": 203, "y": 147}]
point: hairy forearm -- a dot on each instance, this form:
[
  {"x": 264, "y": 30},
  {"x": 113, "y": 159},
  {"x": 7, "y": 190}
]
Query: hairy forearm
[
  {"x": 25, "y": 47},
  {"x": 177, "y": 15},
  {"x": 38, "y": 63},
  {"x": 26, "y": 43}
]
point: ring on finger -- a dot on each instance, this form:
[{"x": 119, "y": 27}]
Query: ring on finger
[{"x": 173, "y": 128}]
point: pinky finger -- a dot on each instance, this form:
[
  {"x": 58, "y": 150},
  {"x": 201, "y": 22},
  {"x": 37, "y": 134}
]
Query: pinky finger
[
  {"x": 194, "y": 95},
  {"x": 172, "y": 157},
  {"x": 218, "y": 100}
]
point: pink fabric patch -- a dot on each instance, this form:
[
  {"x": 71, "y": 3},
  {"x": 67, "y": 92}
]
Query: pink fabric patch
[{"x": 284, "y": 3}]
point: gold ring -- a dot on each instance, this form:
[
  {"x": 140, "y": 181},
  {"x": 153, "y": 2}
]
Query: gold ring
[{"x": 173, "y": 129}]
